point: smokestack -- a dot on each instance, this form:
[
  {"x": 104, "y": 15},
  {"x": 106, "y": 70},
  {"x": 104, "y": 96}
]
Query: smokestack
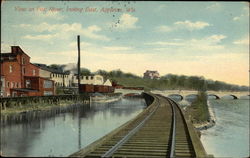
[{"x": 79, "y": 62}]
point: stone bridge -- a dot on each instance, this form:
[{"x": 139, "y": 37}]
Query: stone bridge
[{"x": 187, "y": 93}]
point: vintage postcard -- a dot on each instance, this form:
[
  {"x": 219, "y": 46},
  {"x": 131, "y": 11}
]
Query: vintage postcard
[{"x": 124, "y": 78}]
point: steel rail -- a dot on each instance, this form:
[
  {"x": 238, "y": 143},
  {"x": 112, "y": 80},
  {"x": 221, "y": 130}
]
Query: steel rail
[
  {"x": 111, "y": 151},
  {"x": 172, "y": 149}
]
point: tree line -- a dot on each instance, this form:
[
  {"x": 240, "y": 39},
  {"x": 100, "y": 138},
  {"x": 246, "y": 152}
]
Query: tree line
[{"x": 168, "y": 81}]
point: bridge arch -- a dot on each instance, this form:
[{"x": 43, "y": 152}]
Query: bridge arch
[
  {"x": 213, "y": 95},
  {"x": 191, "y": 96},
  {"x": 234, "y": 96},
  {"x": 178, "y": 95}
]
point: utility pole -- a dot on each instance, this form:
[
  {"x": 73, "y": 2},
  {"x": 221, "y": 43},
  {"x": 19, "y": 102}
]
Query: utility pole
[
  {"x": 79, "y": 62},
  {"x": 79, "y": 67}
]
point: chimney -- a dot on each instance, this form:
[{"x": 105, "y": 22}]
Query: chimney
[{"x": 16, "y": 49}]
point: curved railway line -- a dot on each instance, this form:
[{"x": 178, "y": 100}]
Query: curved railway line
[{"x": 159, "y": 131}]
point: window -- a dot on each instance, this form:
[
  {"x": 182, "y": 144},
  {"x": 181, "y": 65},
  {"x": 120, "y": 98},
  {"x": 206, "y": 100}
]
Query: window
[
  {"x": 87, "y": 78},
  {"x": 11, "y": 69},
  {"x": 23, "y": 69},
  {"x": 8, "y": 84},
  {"x": 17, "y": 85},
  {"x": 28, "y": 84},
  {"x": 92, "y": 77},
  {"x": 34, "y": 72},
  {"x": 47, "y": 84},
  {"x": 23, "y": 60}
]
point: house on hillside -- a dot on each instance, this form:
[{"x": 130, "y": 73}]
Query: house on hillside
[{"x": 151, "y": 74}]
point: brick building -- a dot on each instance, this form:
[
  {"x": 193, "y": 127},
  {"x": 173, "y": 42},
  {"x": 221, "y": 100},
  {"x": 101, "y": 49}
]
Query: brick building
[
  {"x": 15, "y": 68},
  {"x": 34, "y": 86}
]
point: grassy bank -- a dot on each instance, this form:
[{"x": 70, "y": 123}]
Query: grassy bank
[
  {"x": 199, "y": 109},
  {"x": 34, "y": 107}
]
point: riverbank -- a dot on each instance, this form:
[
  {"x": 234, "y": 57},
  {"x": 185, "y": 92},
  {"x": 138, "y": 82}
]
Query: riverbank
[
  {"x": 201, "y": 113},
  {"x": 210, "y": 122},
  {"x": 35, "y": 107},
  {"x": 18, "y": 105}
]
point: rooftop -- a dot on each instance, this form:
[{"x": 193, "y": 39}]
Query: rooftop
[{"x": 50, "y": 69}]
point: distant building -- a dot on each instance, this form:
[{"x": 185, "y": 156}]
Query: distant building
[
  {"x": 93, "y": 79},
  {"x": 61, "y": 79},
  {"x": 107, "y": 83},
  {"x": 15, "y": 67},
  {"x": 151, "y": 75}
]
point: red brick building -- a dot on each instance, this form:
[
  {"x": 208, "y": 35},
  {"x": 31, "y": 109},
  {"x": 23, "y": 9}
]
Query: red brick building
[
  {"x": 34, "y": 86},
  {"x": 15, "y": 68}
]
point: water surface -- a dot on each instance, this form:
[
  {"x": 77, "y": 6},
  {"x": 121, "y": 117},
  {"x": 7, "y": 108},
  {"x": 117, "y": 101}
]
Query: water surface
[
  {"x": 66, "y": 133},
  {"x": 230, "y": 136}
]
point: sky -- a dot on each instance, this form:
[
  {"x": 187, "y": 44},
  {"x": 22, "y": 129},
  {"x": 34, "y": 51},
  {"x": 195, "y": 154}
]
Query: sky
[{"x": 209, "y": 39}]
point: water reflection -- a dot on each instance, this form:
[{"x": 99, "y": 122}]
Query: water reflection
[{"x": 62, "y": 132}]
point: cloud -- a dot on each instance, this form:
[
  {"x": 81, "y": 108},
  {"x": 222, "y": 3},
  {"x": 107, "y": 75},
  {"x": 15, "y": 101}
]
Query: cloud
[
  {"x": 206, "y": 44},
  {"x": 191, "y": 25},
  {"x": 236, "y": 18},
  {"x": 214, "y": 6},
  {"x": 125, "y": 22},
  {"x": 91, "y": 33},
  {"x": 243, "y": 41},
  {"x": 215, "y": 38},
  {"x": 164, "y": 28},
  {"x": 166, "y": 43},
  {"x": 245, "y": 14},
  {"x": 40, "y": 37},
  {"x": 62, "y": 31},
  {"x": 183, "y": 25},
  {"x": 117, "y": 48}
]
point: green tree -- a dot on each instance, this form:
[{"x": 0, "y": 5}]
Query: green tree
[{"x": 85, "y": 72}]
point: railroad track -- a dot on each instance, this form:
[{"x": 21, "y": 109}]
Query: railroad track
[{"x": 160, "y": 131}]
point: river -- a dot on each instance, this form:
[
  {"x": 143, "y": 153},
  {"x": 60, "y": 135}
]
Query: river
[
  {"x": 65, "y": 133},
  {"x": 230, "y": 135}
]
